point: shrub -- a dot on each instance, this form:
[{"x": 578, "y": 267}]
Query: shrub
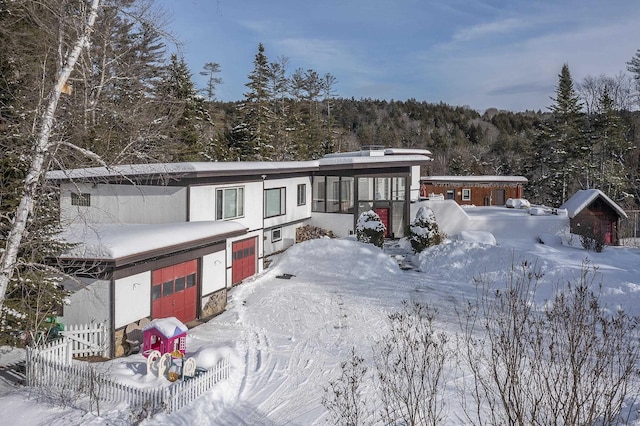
[
  {"x": 592, "y": 240},
  {"x": 370, "y": 229},
  {"x": 423, "y": 231}
]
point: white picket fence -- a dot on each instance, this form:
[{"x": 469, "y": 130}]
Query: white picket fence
[
  {"x": 87, "y": 339},
  {"x": 51, "y": 366}
]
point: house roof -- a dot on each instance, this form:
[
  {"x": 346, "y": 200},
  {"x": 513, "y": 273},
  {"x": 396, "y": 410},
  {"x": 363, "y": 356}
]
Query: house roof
[
  {"x": 122, "y": 244},
  {"x": 476, "y": 179},
  {"x": 389, "y": 158},
  {"x": 584, "y": 197}
]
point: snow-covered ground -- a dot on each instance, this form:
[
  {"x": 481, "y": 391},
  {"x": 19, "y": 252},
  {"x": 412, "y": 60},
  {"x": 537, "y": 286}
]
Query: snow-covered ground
[{"x": 287, "y": 337}]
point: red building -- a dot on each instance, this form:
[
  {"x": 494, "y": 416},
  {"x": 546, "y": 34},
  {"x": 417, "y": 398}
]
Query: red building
[
  {"x": 592, "y": 213},
  {"x": 473, "y": 190}
]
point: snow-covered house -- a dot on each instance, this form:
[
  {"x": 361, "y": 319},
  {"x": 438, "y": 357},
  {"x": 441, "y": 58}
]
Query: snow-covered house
[
  {"x": 592, "y": 213},
  {"x": 473, "y": 190},
  {"x": 160, "y": 240}
]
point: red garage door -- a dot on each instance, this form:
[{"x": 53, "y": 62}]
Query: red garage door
[
  {"x": 174, "y": 292},
  {"x": 243, "y": 263}
]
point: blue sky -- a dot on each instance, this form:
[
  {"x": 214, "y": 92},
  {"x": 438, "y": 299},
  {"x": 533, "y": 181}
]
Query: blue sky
[{"x": 479, "y": 53}]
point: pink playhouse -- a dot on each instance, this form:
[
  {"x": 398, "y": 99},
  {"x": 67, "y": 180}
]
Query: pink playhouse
[{"x": 165, "y": 335}]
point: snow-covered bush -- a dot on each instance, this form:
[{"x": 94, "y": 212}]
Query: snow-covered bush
[
  {"x": 370, "y": 229},
  {"x": 423, "y": 231}
]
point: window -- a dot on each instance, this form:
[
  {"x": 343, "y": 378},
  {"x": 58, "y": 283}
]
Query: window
[
  {"x": 82, "y": 199},
  {"x": 229, "y": 203},
  {"x": 466, "y": 194},
  {"x": 276, "y": 235},
  {"x": 302, "y": 194},
  {"x": 274, "y": 202},
  {"x": 191, "y": 280},
  {"x": 398, "y": 188},
  {"x": 333, "y": 194},
  {"x": 179, "y": 284},
  {"x": 318, "y": 194}
]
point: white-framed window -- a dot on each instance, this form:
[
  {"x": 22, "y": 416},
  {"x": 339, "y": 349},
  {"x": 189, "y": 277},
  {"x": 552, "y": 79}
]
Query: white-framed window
[
  {"x": 229, "y": 203},
  {"x": 276, "y": 235},
  {"x": 466, "y": 194},
  {"x": 80, "y": 199},
  {"x": 302, "y": 194},
  {"x": 274, "y": 202}
]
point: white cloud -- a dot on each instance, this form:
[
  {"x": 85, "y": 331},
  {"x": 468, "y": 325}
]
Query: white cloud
[{"x": 487, "y": 29}]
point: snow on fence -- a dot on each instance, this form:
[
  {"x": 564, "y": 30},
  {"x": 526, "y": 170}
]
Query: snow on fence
[
  {"x": 44, "y": 370},
  {"x": 87, "y": 339}
]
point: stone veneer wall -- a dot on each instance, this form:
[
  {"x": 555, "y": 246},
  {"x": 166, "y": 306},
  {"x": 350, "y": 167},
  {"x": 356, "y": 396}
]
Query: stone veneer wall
[{"x": 216, "y": 304}]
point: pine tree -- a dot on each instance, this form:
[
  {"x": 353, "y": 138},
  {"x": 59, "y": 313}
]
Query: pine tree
[
  {"x": 633, "y": 66},
  {"x": 252, "y": 136},
  {"x": 610, "y": 147},
  {"x": 562, "y": 152},
  {"x": 211, "y": 69},
  {"x": 186, "y": 111}
]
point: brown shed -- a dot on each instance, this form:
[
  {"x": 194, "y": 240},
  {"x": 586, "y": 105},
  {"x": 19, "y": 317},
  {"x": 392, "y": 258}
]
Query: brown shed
[
  {"x": 473, "y": 190},
  {"x": 592, "y": 213}
]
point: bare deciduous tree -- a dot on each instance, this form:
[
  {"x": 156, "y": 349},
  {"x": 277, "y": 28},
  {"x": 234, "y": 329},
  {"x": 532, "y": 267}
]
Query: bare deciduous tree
[
  {"x": 410, "y": 363},
  {"x": 41, "y": 150}
]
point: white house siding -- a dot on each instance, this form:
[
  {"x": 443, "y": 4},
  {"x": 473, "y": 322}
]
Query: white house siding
[
  {"x": 293, "y": 212},
  {"x": 202, "y": 203},
  {"x": 287, "y": 237},
  {"x": 124, "y": 204},
  {"x": 90, "y": 303},
  {"x": 415, "y": 183},
  {"x": 213, "y": 272},
  {"x": 340, "y": 224},
  {"x": 132, "y": 298}
]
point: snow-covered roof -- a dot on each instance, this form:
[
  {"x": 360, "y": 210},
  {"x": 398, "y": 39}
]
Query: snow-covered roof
[
  {"x": 581, "y": 199},
  {"x": 381, "y": 152},
  {"x": 169, "y": 327},
  {"x": 239, "y": 168},
  {"x": 368, "y": 160},
  {"x": 125, "y": 243},
  {"x": 476, "y": 179},
  {"x": 196, "y": 168}
]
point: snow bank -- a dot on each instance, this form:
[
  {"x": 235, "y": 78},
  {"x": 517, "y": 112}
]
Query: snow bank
[
  {"x": 518, "y": 203},
  {"x": 481, "y": 237},
  {"x": 335, "y": 258}
]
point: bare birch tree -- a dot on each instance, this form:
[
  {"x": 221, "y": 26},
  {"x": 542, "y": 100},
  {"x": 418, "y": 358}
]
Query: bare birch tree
[{"x": 43, "y": 146}]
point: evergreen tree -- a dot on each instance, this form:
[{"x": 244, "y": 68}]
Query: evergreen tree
[
  {"x": 211, "y": 69},
  {"x": 186, "y": 110},
  {"x": 561, "y": 157},
  {"x": 633, "y": 66},
  {"x": 252, "y": 137},
  {"x": 610, "y": 147}
]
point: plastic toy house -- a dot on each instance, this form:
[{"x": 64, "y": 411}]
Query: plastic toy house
[{"x": 165, "y": 335}]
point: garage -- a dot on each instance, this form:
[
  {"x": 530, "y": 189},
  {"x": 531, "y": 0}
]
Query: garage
[
  {"x": 243, "y": 263},
  {"x": 174, "y": 291}
]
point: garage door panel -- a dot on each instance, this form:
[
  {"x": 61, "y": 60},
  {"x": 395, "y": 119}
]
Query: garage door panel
[
  {"x": 243, "y": 259},
  {"x": 174, "y": 291}
]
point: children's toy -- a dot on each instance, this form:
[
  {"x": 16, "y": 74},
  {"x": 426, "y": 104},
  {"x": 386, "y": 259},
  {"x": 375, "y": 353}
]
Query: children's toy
[{"x": 164, "y": 335}]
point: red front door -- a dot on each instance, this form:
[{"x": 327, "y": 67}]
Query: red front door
[
  {"x": 384, "y": 217},
  {"x": 174, "y": 291},
  {"x": 243, "y": 264}
]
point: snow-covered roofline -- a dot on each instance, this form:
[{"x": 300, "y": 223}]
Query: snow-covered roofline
[
  {"x": 125, "y": 243},
  {"x": 581, "y": 199},
  {"x": 476, "y": 178},
  {"x": 239, "y": 168}
]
